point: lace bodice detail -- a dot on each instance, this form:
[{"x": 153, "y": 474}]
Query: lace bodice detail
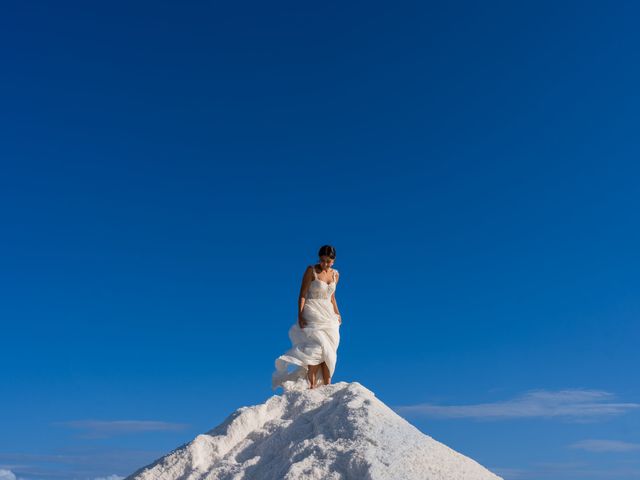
[{"x": 319, "y": 289}]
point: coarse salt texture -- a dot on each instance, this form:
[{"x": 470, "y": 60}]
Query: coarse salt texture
[{"x": 335, "y": 432}]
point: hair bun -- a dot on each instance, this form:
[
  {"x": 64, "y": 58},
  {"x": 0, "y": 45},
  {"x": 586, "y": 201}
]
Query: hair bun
[{"x": 327, "y": 250}]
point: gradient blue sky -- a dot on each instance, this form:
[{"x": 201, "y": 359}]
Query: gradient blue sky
[{"x": 169, "y": 169}]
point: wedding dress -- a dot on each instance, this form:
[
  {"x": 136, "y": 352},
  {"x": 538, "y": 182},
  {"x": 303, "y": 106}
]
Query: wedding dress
[{"x": 317, "y": 342}]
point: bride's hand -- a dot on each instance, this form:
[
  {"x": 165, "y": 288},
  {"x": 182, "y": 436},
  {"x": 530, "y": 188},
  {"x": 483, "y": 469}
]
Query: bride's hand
[{"x": 339, "y": 319}]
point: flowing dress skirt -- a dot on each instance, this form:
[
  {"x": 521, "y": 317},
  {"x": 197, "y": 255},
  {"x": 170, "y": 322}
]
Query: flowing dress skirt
[{"x": 317, "y": 342}]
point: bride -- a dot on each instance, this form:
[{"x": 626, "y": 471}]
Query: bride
[{"x": 315, "y": 338}]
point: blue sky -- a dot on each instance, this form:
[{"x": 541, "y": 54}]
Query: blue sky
[{"x": 168, "y": 170}]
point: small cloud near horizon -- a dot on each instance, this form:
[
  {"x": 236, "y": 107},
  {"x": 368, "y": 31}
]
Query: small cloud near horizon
[
  {"x": 568, "y": 404},
  {"x": 87, "y": 462},
  {"x": 103, "y": 429},
  {"x": 605, "y": 446},
  {"x": 569, "y": 470},
  {"x": 7, "y": 474}
]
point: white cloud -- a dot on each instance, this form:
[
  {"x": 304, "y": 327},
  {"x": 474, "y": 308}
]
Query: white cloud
[
  {"x": 510, "y": 473},
  {"x": 572, "y": 404},
  {"x": 570, "y": 470},
  {"x": 102, "y": 429},
  {"x": 110, "y": 477},
  {"x": 605, "y": 446},
  {"x": 86, "y": 462},
  {"x": 7, "y": 474}
]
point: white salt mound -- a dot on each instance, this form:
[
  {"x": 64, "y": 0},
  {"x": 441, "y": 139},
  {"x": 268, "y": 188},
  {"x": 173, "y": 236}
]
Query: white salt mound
[{"x": 334, "y": 432}]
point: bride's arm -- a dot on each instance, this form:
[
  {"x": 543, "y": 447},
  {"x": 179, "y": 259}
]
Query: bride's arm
[
  {"x": 335, "y": 306},
  {"x": 306, "y": 281},
  {"x": 334, "y": 302}
]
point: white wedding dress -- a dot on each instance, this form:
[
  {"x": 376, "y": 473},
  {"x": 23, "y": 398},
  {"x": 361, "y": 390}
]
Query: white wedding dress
[{"x": 317, "y": 342}]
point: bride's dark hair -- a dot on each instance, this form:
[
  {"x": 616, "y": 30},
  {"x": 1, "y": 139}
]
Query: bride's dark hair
[{"x": 327, "y": 250}]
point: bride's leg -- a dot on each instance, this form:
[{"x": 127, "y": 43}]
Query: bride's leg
[
  {"x": 311, "y": 375},
  {"x": 326, "y": 376}
]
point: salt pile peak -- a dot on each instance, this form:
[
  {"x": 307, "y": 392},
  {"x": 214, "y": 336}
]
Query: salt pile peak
[{"x": 335, "y": 432}]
